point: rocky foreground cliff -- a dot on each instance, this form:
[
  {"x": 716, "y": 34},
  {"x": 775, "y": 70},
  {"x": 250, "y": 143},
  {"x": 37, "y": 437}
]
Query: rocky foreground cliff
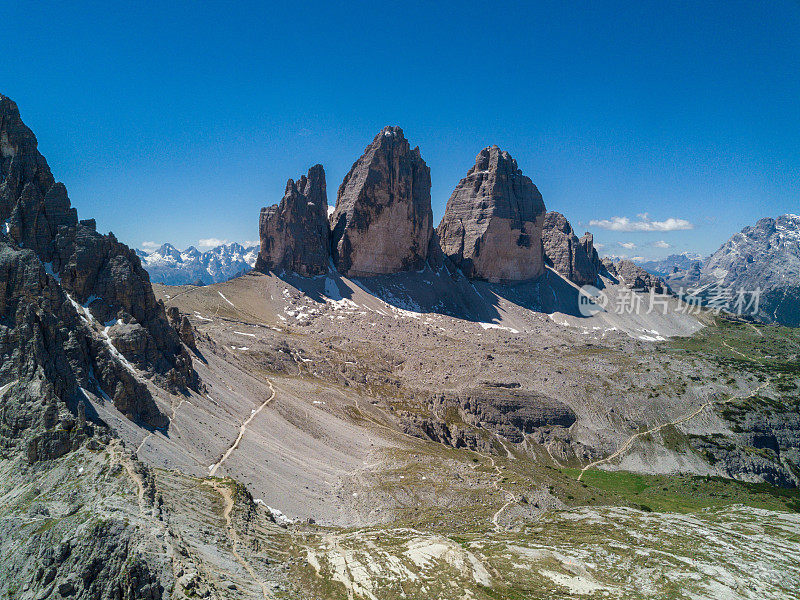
[
  {"x": 78, "y": 310},
  {"x": 80, "y": 329}
]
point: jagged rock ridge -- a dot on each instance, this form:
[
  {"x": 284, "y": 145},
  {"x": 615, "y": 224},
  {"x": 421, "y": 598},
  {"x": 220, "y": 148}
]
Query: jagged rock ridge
[
  {"x": 294, "y": 234},
  {"x": 77, "y": 313},
  {"x": 576, "y": 259},
  {"x": 383, "y": 218},
  {"x": 492, "y": 225}
]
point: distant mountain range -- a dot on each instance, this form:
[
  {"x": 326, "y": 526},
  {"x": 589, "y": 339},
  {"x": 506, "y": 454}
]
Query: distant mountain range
[
  {"x": 171, "y": 266},
  {"x": 668, "y": 265},
  {"x": 763, "y": 259}
]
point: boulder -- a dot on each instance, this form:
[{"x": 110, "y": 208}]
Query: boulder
[
  {"x": 294, "y": 234},
  {"x": 383, "y": 220},
  {"x": 492, "y": 225},
  {"x": 574, "y": 258}
]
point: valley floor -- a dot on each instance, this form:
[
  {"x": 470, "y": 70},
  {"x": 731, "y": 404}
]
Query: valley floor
[{"x": 348, "y": 444}]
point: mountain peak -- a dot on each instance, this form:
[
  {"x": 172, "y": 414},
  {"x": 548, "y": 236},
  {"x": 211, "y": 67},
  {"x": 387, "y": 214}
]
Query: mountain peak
[
  {"x": 492, "y": 225},
  {"x": 294, "y": 234},
  {"x": 167, "y": 250},
  {"x": 761, "y": 259},
  {"x": 383, "y": 221}
]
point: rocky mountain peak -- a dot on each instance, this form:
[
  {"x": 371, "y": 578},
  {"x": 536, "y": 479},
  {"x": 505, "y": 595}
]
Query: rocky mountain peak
[
  {"x": 492, "y": 225},
  {"x": 763, "y": 259},
  {"x": 294, "y": 234},
  {"x": 167, "y": 250},
  {"x": 576, "y": 259},
  {"x": 62, "y": 280},
  {"x": 383, "y": 218}
]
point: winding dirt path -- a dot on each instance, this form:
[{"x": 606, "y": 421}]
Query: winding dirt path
[
  {"x": 171, "y": 418},
  {"x": 171, "y": 298},
  {"x": 213, "y": 468},
  {"x": 510, "y": 498},
  {"x": 735, "y": 351},
  {"x": 116, "y": 454},
  {"x": 233, "y": 535},
  {"x": 624, "y": 448},
  {"x": 550, "y": 453}
]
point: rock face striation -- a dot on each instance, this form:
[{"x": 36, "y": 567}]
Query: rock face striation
[
  {"x": 492, "y": 225},
  {"x": 294, "y": 234},
  {"x": 383, "y": 218},
  {"x": 77, "y": 313},
  {"x": 576, "y": 259}
]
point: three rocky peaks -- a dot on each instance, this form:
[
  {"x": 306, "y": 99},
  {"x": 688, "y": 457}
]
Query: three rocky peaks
[{"x": 494, "y": 227}]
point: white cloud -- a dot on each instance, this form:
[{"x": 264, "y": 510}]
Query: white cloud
[
  {"x": 643, "y": 224},
  {"x": 599, "y": 246},
  {"x": 627, "y": 245},
  {"x": 149, "y": 246},
  {"x": 248, "y": 243},
  {"x": 636, "y": 258},
  {"x": 661, "y": 244},
  {"x": 211, "y": 242}
]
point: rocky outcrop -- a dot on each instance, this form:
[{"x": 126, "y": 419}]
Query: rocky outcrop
[
  {"x": 635, "y": 277},
  {"x": 383, "y": 218},
  {"x": 492, "y": 225},
  {"x": 449, "y": 434},
  {"x": 54, "y": 354},
  {"x": 294, "y": 234},
  {"x": 93, "y": 269},
  {"x": 507, "y": 411},
  {"x": 181, "y": 324},
  {"x": 77, "y": 314},
  {"x": 576, "y": 259}
]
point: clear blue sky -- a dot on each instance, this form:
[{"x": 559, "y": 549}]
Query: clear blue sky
[{"x": 176, "y": 122}]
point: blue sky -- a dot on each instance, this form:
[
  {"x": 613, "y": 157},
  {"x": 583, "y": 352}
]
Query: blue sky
[{"x": 177, "y": 122}]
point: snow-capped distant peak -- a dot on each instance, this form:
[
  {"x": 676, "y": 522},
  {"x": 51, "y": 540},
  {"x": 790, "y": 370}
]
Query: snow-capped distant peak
[{"x": 170, "y": 266}]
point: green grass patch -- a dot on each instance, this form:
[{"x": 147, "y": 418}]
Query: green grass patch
[{"x": 687, "y": 493}]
